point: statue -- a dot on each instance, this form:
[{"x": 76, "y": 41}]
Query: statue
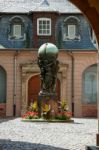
[{"x": 49, "y": 66}]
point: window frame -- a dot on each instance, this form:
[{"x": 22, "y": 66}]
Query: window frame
[
  {"x": 71, "y": 20},
  {"x": 15, "y": 35},
  {"x": 87, "y": 81},
  {"x": 4, "y": 88},
  {"x": 38, "y": 27},
  {"x": 68, "y": 31},
  {"x": 12, "y": 23},
  {"x": 93, "y": 38}
]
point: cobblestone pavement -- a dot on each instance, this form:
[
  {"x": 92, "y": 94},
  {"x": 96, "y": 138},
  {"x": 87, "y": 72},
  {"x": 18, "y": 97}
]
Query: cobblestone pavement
[{"x": 18, "y": 135}]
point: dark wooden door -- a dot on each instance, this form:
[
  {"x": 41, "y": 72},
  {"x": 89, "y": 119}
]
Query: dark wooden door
[{"x": 34, "y": 88}]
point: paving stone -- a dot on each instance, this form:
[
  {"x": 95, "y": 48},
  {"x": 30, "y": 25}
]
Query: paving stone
[{"x": 18, "y": 135}]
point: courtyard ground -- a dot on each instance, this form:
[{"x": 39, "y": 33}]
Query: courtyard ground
[{"x": 18, "y": 135}]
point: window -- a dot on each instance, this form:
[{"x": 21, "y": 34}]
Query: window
[
  {"x": 71, "y": 28},
  {"x": 71, "y": 31},
  {"x": 2, "y": 85},
  {"x": 44, "y": 26},
  {"x": 17, "y": 31},
  {"x": 90, "y": 85},
  {"x": 93, "y": 38}
]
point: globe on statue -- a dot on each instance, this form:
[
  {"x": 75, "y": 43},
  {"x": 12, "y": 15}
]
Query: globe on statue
[
  {"x": 48, "y": 50},
  {"x": 49, "y": 66}
]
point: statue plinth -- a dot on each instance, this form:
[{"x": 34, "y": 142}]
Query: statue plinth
[{"x": 49, "y": 99}]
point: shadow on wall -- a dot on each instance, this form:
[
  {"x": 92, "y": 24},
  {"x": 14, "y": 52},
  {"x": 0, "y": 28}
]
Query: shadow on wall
[{"x": 15, "y": 145}]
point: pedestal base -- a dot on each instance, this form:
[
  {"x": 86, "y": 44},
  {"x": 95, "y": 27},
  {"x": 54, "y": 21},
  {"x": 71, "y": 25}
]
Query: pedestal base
[{"x": 47, "y": 99}]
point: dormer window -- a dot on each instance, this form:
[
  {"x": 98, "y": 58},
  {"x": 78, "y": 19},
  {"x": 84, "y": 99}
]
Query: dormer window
[
  {"x": 44, "y": 27},
  {"x": 17, "y": 29},
  {"x": 93, "y": 38},
  {"x": 71, "y": 29}
]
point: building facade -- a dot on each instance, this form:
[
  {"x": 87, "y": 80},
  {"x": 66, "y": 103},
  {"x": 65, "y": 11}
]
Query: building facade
[{"x": 24, "y": 27}]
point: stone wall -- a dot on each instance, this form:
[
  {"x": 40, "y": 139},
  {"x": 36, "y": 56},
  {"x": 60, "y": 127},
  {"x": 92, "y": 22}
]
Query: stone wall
[{"x": 26, "y": 67}]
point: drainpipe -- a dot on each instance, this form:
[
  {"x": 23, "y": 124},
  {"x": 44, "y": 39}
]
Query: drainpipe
[
  {"x": 72, "y": 80},
  {"x": 14, "y": 83}
]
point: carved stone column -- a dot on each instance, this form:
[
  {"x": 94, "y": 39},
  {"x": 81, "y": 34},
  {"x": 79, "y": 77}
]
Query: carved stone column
[
  {"x": 28, "y": 70},
  {"x": 63, "y": 71},
  {"x": 24, "y": 94}
]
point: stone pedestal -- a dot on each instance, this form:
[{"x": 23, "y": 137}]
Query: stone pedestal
[{"x": 49, "y": 99}]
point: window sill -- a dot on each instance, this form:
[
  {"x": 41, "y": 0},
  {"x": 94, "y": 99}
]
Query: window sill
[
  {"x": 77, "y": 38},
  {"x": 44, "y": 35},
  {"x": 94, "y": 103},
  {"x": 11, "y": 38}
]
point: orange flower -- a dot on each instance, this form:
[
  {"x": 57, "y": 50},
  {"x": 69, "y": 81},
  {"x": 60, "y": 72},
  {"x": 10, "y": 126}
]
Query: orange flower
[{"x": 30, "y": 115}]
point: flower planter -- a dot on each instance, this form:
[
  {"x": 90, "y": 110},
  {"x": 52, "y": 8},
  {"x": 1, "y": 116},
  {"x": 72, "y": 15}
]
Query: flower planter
[
  {"x": 49, "y": 121},
  {"x": 48, "y": 114}
]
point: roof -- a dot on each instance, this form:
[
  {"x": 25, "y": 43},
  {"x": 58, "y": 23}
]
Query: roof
[
  {"x": 26, "y": 6},
  {"x": 45, "y": 6}
]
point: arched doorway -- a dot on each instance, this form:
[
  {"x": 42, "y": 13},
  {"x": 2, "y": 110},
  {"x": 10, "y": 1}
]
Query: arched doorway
[
  {"x": 34, "y": 88},
  {"x": 2, "y": 92},
  {"x": 89, "y": 92}
]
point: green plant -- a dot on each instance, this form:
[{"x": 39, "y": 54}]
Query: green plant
[
  {"x": 46, "y": 111},
  {"x": 63, "y": 106},
  {"x": 33, "y": 107},
  {"x": 63, "y": 115}
]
